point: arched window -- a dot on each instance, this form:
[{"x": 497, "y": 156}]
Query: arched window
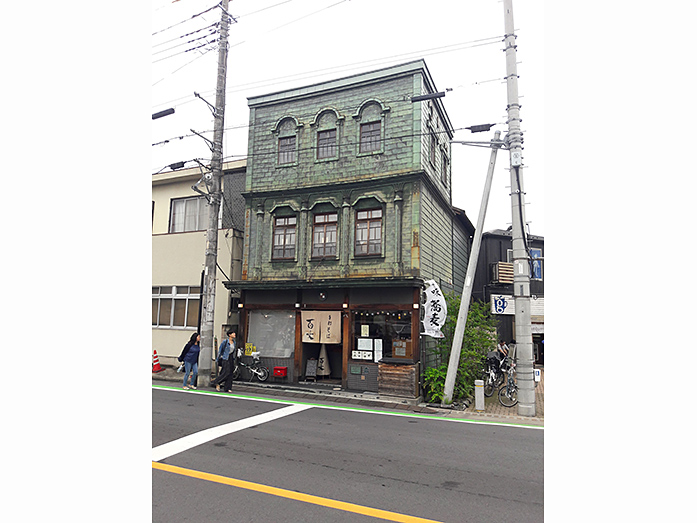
[
  {"x": 287, "y": 130},
  {"x": 327, "y": 126},
  {"x": 371, "y": 127},
  {"x": 284, "y": 234},
  {"x": 369, "y": 219}
]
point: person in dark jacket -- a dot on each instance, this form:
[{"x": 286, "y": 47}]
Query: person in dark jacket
[
  {"x": 190, "y": 358},
  {"x": 227, "y": 352}
]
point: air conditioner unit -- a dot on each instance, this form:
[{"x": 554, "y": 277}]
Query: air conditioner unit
[{"x": 501, "y": 272}]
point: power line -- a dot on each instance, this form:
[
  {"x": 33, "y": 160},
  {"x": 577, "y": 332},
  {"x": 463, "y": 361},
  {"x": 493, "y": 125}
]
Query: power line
[
  {"x": 306, "y": 16},
  {"x": 187, "y": 20},
  {"x": 270, "y": 82},
  {"x": 183, "y": 66},
  {"x": 265, "y": 8},
  {"x": 303, "y": 149},
  {"x": 347, "y": 144},
  {"x": 213, "y": 28},
  {"x": 254, "y": 12},
  {"x": 204, "y": 44},
  {"x": 404, "y": 98}
]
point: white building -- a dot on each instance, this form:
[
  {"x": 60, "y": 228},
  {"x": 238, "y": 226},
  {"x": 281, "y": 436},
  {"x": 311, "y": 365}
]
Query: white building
[{"x": 179, "y": 222}]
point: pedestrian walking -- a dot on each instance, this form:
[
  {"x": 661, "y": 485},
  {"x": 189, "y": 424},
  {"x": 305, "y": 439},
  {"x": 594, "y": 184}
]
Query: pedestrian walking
[
  {"x": 227, "y": 354},
  {"x": 190, "y": 358}
]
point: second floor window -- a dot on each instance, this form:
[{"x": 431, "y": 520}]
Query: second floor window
[
  {"x": 324, "y": 235},
  {"x": 370, "y": 137},
  {"x": 326, "y": 144},
  {"x": 189, "y": 214},
  {"x": 286, "y": 150},
  {"x": 284, "y": 238},
  {"x": 369, "y": 232}
]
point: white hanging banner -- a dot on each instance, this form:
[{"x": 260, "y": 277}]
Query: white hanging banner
[
  {"x": 331, "y": 327},
  {"x": 310, "y": 326},
  {"x": 435, "y": 311},
  {"x": 321, "y": 326},
  {"x": 323, "y": 368}
]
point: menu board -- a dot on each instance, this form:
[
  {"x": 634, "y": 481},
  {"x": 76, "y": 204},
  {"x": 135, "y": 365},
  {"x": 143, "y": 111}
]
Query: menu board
[{"x": 364, "y": 349}]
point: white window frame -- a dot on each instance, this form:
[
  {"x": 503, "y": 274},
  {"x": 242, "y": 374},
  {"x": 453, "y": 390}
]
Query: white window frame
[
  {"x": 370, "y": 220},
  {"x": 201, "y": 200},
  {"x": 178, "y": 292},
  {"x": 319, "y": 229}
]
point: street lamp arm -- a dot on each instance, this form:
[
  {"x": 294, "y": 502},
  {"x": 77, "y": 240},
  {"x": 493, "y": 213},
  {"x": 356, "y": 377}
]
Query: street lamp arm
[{"x": 491, "y": 144}]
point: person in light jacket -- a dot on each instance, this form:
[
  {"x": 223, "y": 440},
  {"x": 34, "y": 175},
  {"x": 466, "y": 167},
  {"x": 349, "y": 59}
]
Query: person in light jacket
[
  {"x": 227, "y": 352},
  {"x": 190, "y": 358}
]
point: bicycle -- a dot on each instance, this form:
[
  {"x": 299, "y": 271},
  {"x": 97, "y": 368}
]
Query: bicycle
[
  {"x": 508, "y": 393},
  {"x": 255, "y": 369},
  {"x": 492, "y": 375}
]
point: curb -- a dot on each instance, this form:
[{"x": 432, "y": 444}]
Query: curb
[{"x": 498, "y": 414}]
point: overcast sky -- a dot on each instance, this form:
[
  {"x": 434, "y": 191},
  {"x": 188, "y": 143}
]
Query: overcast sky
[
  {"x": 281, "y": 44},
  {"x": 77, "y": 159}
]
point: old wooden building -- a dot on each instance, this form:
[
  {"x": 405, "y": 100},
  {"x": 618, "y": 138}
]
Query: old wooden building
[{"x": 347, "y": 212}]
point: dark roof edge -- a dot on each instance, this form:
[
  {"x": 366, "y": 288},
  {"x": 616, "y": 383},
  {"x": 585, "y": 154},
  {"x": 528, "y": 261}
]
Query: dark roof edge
[{"x": 330, "y": 283}]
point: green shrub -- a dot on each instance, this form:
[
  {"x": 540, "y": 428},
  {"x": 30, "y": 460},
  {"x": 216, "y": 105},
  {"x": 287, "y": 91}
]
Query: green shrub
[{"x": 479, "y": 338}]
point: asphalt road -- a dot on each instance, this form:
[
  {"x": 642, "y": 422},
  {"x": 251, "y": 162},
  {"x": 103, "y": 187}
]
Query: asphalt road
[{"x": 337, "y": 464}]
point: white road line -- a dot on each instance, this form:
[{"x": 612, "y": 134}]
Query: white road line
[{"x": 199, "y": 438}]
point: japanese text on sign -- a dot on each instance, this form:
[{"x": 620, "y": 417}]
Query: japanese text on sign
[{"x": 435, "y": 311}]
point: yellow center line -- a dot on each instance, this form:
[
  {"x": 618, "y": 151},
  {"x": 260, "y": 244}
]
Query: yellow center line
[{"x": 298, "y": 496}]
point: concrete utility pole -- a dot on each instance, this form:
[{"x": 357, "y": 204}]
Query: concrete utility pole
[
  {"x": 459, "y": 335},
  {"x": 521, "y": 257},
  {"x": 209, "y": 279}
]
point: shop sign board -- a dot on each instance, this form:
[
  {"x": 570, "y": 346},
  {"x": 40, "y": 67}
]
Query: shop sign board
[
  {"x": 505, "y": 304},
  {"x": 435, "y": 311}
]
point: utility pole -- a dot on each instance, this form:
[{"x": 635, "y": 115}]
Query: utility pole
[
  {"x": 215, "y": 196},
  {"x": 454, "y": 361},
  {"x": 521, "y": 257}
]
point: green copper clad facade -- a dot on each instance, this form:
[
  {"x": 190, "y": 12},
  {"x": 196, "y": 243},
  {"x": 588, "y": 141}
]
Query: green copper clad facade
[{"x": 306, "y": 159}]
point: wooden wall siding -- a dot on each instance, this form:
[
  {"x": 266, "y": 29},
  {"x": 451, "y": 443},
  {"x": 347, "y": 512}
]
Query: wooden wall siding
[
  {"x": 461, "y": 254},
  {"x": 398, "y": 380},
  {"x": 430, "y": 120},
  {"x": 436, "y": 239}
]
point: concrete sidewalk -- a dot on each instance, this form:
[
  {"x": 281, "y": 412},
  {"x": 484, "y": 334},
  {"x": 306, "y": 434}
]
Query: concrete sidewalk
[{"x": 317, "y": 393}]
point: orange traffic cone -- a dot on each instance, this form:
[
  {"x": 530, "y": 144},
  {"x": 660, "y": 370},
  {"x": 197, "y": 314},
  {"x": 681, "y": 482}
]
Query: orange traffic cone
[{"x": 156, "y": 363}]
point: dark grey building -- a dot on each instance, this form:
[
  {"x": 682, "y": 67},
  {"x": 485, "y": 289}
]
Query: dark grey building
[{"x": 493, "y": 284}]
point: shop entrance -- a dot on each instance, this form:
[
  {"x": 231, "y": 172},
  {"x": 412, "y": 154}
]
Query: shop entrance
[
  {"x": 325, "y": 362},
  {"x": 321, "y": 347}
]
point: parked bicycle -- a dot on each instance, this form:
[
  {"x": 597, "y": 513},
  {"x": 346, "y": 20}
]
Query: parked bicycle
[
  {"x": 255, "y": 369},
  {"x": 493, "y": 373},
  {"x": 508, "y": 393}
]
